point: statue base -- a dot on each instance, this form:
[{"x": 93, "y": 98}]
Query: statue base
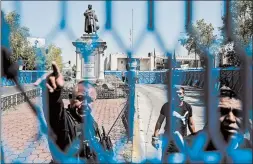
[
  {"x": 92, "y": 69},
  {"x": 89, "y": 36},
  {"x": 91, "y": 80}
]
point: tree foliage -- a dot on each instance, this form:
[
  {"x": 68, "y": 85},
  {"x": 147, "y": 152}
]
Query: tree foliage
[
  {"x": 32, "y": 57},
  {"x": 200, "y": 37},
  {"x": 242, "y": 25},
  {"x": 18, "y": 41},
  {"x": 54, "y": 54},
  {"x": 242, "y": 30}
]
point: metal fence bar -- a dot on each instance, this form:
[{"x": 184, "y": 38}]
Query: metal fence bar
[
  {"x": 1, "y": 148},
  {"x": 245, "y": 69}
]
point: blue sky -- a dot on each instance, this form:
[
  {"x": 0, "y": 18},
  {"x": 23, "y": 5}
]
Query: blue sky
[{"x": 42, "y": 17}]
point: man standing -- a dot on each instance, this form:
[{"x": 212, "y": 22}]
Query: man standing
[{"x": 182, "y": 117}]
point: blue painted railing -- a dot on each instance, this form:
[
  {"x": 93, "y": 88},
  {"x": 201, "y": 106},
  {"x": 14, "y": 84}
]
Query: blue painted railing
[
  {"x": 185, "y": 77},
  {"x": 192, "y": 77},
  {"x": 25, "y": 77}
]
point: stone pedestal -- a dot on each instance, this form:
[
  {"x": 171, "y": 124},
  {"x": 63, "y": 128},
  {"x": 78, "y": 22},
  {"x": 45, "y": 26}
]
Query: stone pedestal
[{"x": 90, "y": 52}]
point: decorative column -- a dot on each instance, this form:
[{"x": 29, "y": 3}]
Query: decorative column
[
  {"x": 101, "y": 64},
  {"x": 78, "y": 65}
]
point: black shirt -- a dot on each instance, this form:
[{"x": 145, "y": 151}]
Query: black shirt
[{"x": 181, "y": 116}]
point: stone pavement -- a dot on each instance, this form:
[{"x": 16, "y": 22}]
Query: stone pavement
[
  {"x": 150, "y": 99},
  {"x": 19, "y": 132}
]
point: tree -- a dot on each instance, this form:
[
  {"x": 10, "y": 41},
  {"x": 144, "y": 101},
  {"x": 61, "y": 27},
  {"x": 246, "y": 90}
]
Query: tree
[
  {"x": 21, "y": 48},
  {"x": 54, "y": 54},
  {"x": 241, "y": 14},
  {"x": 227, "y": 53},
  {"x": 200, "y": 37}
]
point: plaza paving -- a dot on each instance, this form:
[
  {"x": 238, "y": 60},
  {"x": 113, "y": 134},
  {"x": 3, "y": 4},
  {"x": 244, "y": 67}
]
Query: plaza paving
[
  {"x": 19, "y": 125},
  {"x": 20, "y": 130}
]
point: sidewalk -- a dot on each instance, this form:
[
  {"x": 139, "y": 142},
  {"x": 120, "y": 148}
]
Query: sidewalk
[
  {"x": 149, "y": 100},
  {"x": 19, "y": 130}
]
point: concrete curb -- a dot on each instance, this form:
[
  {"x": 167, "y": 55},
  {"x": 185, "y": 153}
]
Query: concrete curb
[{"x": 138, "y": 155}]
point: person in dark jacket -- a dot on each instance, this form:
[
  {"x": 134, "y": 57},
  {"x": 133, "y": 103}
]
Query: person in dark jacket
[
  {"x": 65, "y": 125},
  {"x": 232, "y": 141}
]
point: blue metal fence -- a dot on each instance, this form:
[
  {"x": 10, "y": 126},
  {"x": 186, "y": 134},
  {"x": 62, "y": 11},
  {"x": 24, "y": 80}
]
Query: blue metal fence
[
  {"x": 190, "y": 77},
  {"x": 24, "y": 77},
  {"x": 187, "y": 77},
  {"x": 209, "y": 78}
]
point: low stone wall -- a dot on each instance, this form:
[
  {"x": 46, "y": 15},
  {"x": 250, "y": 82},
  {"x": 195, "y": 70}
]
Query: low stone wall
[
  {"x": 112, "y": 88},
  {"x": 18, "y": 98},
  {"x": 117, "y": 89},
  {"x": 105, "y": 90},
  {"x": 111, "y": 94}
]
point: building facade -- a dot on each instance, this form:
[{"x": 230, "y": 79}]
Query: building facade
[
  {"x": 153, "y": 60},
  {"x": 119, "y": 61}
]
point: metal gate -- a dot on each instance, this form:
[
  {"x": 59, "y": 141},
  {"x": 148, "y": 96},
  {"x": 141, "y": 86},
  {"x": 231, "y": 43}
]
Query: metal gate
[{"x": 209, "y": 77}]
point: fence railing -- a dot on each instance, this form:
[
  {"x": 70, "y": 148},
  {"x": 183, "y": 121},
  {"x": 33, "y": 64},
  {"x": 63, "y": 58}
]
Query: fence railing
[
  {"x": 24, "y": 77},
  {"x": 144, "y": 77},
  {"x": 191, "y": 77},
  {"x": 18, "y": 98}
]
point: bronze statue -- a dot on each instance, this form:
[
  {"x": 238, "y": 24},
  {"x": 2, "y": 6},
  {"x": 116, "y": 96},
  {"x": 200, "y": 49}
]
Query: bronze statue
[{"x": 91, "y": 21}]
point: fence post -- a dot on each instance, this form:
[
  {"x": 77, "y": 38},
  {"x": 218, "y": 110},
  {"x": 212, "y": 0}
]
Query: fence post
[
  {"x": 1, "y": 108},
  {"x": 131, "y": 98}
]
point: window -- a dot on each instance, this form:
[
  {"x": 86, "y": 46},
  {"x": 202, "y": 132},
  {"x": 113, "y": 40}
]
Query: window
[{"x": 121, "y": 62}]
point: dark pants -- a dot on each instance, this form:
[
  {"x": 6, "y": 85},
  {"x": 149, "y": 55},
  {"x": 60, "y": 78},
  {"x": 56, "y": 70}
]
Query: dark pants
[
  {"x": 164, "y": 148},
  {"x": 168, "y": 148}
]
